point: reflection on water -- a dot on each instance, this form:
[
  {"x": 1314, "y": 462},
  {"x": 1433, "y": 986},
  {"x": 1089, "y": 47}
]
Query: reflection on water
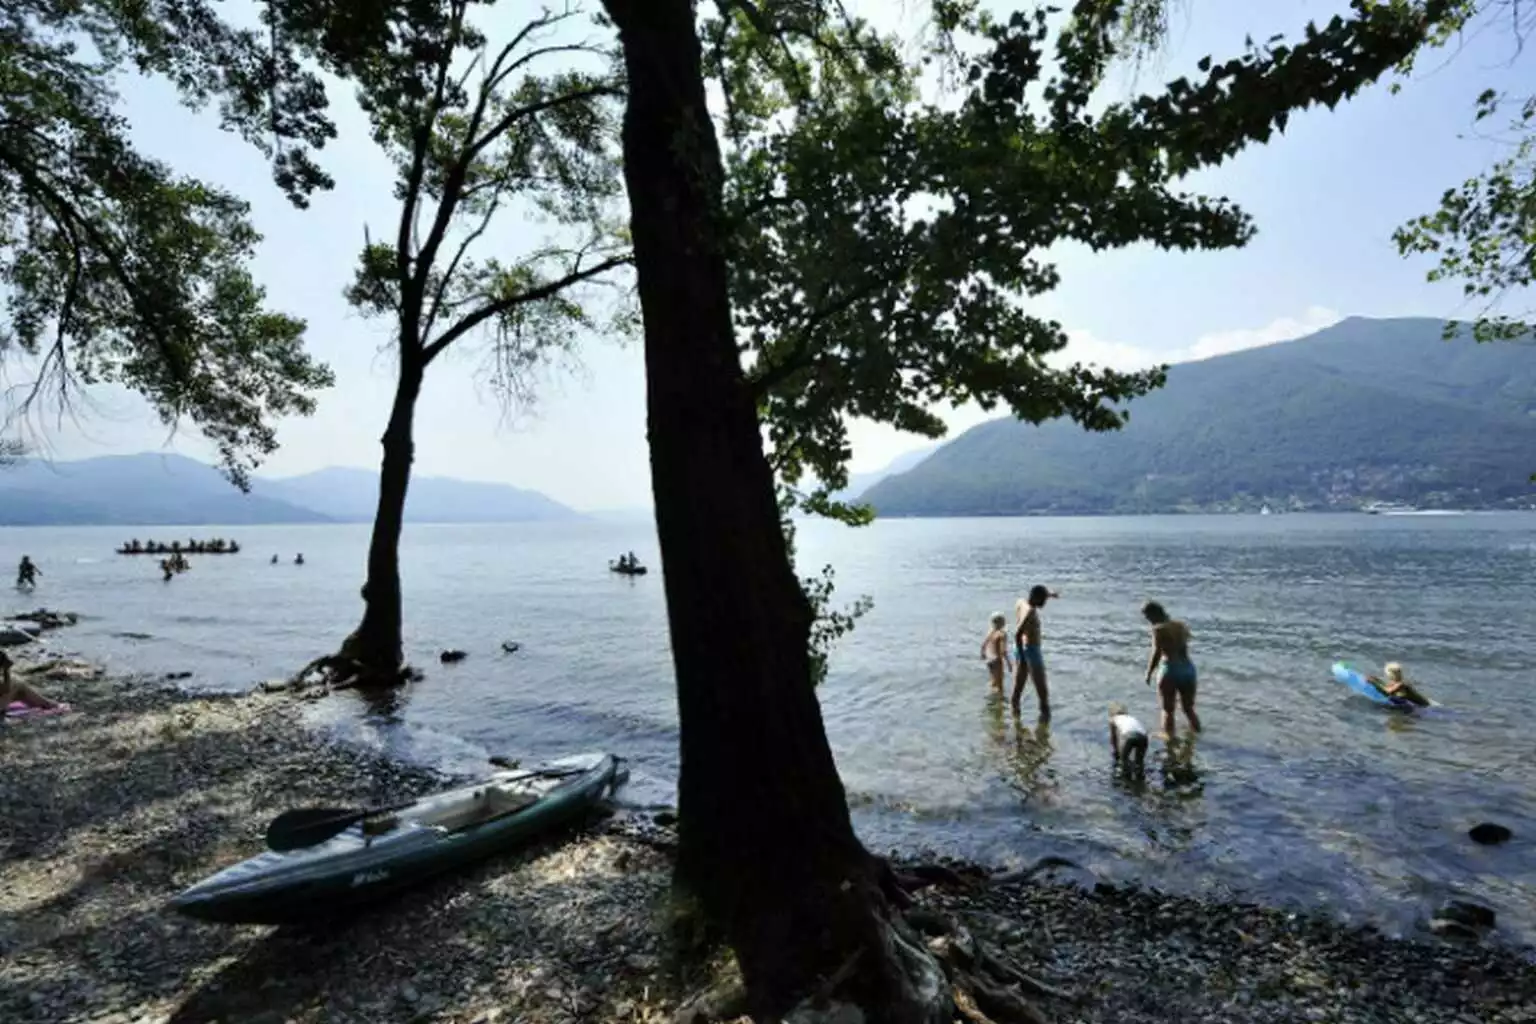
[
  {"x": 1296, "y": 790},
  {"x": 1023, "y": 753}
]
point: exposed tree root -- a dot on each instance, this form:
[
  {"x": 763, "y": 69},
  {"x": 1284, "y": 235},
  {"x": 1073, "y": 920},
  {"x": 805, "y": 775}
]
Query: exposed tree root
[
  {"x": 985, "y": 985},
  {"x": 342, "y": 671}
]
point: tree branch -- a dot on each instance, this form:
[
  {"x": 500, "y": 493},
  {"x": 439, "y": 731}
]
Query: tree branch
[
  {"x": 501, "y": 306},
  {"x": 798, "y": 357},
  {"x": 420, "y": 145},
  {"x": 61, "y": 210},
  {"x": 453, "y": 187},
  {"x": 446, "y": 280}
]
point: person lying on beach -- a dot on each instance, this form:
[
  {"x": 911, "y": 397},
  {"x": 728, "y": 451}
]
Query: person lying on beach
[
  {"x": 1395, "y": 685},
  {"x": 994, "y": 651},
  {"x": 1170, "y": 646},
  {"x": 1127, "y": 738},
  {"x": 12, "y": 691},
  {"x": 1026, "y": 640}
]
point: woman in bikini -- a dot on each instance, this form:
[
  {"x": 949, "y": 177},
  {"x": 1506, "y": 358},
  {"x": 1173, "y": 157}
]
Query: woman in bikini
[
  {"x": 1170, "y": 646},
  {"x": 12, "y": 692}
]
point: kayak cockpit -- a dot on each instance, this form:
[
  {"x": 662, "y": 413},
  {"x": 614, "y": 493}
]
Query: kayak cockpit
[{"x": 467, "y": 810}]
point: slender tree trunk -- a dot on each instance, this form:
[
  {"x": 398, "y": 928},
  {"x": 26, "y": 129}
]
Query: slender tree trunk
[
  {"x": 766, "y": 844},
  {"x": 376, "y": 645}
]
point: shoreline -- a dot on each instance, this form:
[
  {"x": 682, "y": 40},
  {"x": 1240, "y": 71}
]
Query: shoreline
[{"x": 145, "y": 788}]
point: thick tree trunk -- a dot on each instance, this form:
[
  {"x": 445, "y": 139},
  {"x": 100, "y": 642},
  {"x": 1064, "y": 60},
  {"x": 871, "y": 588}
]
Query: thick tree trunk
[
  {"x": 765, "y": 840},
  {"x": 376, "y": 647}
]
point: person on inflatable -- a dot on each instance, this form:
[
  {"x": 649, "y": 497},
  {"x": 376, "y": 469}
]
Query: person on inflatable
[{"x": 1395, "y": 685}]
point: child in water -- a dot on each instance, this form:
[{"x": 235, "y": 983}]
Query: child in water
[
  {"x": 1127, "y": 738},
  {"x": 1397, "y": 686},
  {"x": 994, "y": 651}
]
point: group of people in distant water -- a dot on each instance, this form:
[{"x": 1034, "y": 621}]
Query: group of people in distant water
[
  {"x": 217, "y": 546},
  {"x": 1177, "y": 681}
]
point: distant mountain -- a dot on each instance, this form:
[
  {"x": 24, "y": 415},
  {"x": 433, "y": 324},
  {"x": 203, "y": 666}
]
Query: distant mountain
[
  {"x": 351, "y": 495},
  {"x": 154, "y": 489},
  {"x": 858, "y": 483},
  {"x": 134, "y": 490},
  {"x": 1364, "y": 410}
]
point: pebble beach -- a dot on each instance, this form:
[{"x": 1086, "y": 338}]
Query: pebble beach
[{"x": 143, "y": 789}]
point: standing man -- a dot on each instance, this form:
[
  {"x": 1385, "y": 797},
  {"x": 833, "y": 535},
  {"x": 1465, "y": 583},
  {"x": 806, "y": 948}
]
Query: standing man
[
  {"x": 1031, "y": 661},
  {"x": 26, "y": 574}
]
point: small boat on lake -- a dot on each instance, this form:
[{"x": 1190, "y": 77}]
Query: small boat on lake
[
  {"x": 382, "y": 852},
  {"x": 216, "y": 546},
  {"x": 627, "y": 570}
]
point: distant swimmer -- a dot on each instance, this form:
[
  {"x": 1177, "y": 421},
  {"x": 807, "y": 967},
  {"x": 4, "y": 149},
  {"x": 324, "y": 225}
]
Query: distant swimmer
[
  {"x": 1127, "y": 738},
  {"x": 1026, "y": 640},
  {"x": 1395, "y": 685},
  {"x": 26, "y": 574},
  {"x": 274, "y": 559},
  {"x": 299, "y": 558},
  {"x": 1170, "y": 646},
  {"x": 994, "y": 651}
]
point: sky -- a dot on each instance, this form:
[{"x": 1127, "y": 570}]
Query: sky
[{"x": 1326, "y": 197}]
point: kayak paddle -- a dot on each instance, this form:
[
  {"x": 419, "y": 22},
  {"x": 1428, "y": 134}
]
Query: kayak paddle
[{"x": 311, "y": 826}]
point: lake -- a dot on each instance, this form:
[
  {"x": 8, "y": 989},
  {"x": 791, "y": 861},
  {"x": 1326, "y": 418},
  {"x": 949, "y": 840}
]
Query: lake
[{"x": 1297, "y": 792}]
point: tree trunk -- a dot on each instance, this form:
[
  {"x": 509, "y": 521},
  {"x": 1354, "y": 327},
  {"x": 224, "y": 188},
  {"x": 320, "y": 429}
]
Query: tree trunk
[
  {"x": 765, "y": 841},
  {"x": 376, "y": 647}
]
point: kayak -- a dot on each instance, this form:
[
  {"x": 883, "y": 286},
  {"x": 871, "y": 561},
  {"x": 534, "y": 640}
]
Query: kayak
[
  {"x": 382, "y": 855},
  {"x": 1345, "y": 673}
]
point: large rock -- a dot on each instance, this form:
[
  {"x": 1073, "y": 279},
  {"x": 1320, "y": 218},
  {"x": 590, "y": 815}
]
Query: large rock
[
  {"x": 14, "y": 634},
  {"x": 1465, "y": 912},
  {"x": 1489, "y": 834}
]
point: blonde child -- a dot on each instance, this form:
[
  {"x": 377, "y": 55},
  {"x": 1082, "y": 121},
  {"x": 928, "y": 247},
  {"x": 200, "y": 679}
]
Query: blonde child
[
  {"x": 994, "y": 651},
  {"x": 1127, "y": 738},
  {"x": 1396, "y": 685}
]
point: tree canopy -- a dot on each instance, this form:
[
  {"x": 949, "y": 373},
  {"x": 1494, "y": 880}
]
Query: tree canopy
[
  {"x": 1483, "y": 233},
  {"x": 115, "y": 269}
]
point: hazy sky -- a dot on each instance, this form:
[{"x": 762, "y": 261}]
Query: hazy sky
[{"x": 1326, "y": 197}]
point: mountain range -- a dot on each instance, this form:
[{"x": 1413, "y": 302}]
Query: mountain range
[
  {"x": 154, "y": 489},
  {"x": 1365, "y": 410}
]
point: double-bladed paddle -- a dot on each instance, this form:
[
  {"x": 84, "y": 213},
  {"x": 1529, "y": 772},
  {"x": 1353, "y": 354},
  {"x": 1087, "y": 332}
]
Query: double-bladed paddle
[{"x": 311, "y": 826}]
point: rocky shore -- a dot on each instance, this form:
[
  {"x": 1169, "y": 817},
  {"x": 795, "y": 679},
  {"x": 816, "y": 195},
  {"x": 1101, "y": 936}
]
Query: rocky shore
[{"x": 142, "y": 790}]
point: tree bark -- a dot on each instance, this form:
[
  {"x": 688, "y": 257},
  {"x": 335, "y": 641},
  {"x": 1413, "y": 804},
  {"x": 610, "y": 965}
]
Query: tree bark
[
  {"x": 376, "y": 647},
  {"x": 765, "y": 840}
]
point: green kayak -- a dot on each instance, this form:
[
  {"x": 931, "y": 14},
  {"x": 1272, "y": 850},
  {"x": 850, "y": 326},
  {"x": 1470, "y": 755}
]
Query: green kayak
[{"x": 384, "y": 854}]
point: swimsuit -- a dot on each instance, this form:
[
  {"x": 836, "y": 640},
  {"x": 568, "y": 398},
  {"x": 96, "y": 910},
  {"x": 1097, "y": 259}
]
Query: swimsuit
[
  {"x": 1181, "y": 676},
  {"x": 1031, "y": 653}
]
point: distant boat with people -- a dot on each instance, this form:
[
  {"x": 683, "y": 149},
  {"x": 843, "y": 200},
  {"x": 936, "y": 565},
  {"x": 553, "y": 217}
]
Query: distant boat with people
[
  {"x": 627, "y": 565},
  {"x": 216, "y": 546}
]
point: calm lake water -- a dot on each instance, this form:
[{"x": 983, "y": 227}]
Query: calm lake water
[{"x": 1297, "y": 793}]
